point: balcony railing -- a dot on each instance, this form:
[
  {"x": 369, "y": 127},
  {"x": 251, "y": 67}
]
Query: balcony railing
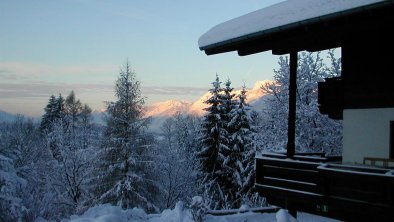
[{"x": 317, "y": 185}]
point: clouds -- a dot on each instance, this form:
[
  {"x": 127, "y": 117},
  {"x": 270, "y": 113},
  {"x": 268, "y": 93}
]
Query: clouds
[
  {"x": 173, "y": 90},
  {"x": 30, "y": 98},
  {"x": 34, "y": 79},
  {"x": 23, "y": 71},
  {"x": 26, "y": 87},
  {"x": 43, "y": 89},
  {"x": 24, "y": 83}
]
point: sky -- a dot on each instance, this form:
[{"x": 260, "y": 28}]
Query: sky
[{"x": 50, "y": 47}]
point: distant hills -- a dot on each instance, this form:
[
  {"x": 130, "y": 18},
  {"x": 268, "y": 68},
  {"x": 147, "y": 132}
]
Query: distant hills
[{"x": 6, "y": 117}]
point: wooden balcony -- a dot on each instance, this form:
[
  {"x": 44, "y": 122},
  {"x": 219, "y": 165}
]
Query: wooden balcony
[{"x": 319, "y": 185}]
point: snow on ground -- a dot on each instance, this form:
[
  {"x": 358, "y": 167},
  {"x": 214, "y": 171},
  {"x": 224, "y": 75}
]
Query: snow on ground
[{"x": 109, "y": 213}]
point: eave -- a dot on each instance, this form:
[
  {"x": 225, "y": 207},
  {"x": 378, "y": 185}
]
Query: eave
[{"x": 315, "y": 34}]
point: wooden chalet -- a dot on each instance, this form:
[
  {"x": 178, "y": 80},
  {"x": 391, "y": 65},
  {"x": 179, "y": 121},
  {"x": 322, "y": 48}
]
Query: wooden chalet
[{"x": 360, "y": 185}]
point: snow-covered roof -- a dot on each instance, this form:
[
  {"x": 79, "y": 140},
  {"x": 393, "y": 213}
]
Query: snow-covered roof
[{"x": 277, "y": 17}]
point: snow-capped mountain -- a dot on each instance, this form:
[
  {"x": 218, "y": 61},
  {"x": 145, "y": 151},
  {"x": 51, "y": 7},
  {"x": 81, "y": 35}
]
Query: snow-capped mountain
[
  {"x": 254, "y": 97},
  {"x": 197, "y": 108},
  {"x": 168, "y": 108},
  {"x": 159, "y": 112},
  {"x": 256, "y": 92}
]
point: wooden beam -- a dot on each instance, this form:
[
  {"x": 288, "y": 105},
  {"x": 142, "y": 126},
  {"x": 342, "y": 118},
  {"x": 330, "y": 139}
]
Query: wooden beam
[{"x": 292, "y": 105}]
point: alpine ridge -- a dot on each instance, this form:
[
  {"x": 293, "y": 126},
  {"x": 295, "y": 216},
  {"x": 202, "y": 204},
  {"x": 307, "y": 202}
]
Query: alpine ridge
[{"x": 160, "y": 111}]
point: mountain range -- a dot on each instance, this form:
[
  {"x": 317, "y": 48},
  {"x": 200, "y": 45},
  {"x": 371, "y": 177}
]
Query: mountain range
[{"x": 159, "y": 112}]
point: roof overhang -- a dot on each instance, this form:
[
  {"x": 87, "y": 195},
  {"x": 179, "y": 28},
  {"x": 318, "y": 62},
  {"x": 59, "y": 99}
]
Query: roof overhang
[{"x": 313, "y": 32}]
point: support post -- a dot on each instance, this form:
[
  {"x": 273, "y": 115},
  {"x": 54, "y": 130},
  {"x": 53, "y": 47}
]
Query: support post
[{"x": 292, "y": 105}]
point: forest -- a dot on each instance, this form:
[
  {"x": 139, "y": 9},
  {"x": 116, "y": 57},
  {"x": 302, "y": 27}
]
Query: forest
[{"x": 65, "y": 163}]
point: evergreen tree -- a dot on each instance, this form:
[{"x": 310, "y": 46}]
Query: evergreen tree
[
  {"x": 227, "y": 104},
  {"x": 214, "y": 148},
  {"x": 241, "y": 159},
  {"x": 225, "y": 178},
  {"x": 53, "y": 111},
  {"x": 227, "y": 150},
  {"x": 210, "y": 131},
  {"x": 210, "y": 146},
  {"x": 125, "y": 159}
]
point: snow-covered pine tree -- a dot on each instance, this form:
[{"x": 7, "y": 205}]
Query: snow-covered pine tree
[
  {"x": 314, "y": 132},
  {"x": 208, "y": 154},
  {"x": 214, "y": 144},
  {"x": 53, "y": 111},
  {"x": 49, "y": 115},
  {"x": 241, "y": 158},
  {"x": 227, "y": 104},
  {"x": 125, "y": 162},
  {"x": 210, "y": 127},
  {"x": 225, "y": 178}
]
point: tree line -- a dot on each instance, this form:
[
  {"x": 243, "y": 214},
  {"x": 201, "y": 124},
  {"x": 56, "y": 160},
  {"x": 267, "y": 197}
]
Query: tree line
[{"x": 66, "y": 163}]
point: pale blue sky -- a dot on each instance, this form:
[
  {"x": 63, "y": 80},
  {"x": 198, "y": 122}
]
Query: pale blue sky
[{"x": 55, "y": 46}]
